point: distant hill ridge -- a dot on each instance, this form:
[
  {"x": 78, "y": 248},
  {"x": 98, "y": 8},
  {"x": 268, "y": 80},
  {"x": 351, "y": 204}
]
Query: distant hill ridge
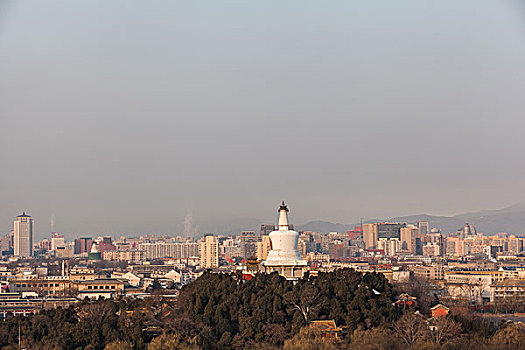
[{"x": 510, "y": 220}]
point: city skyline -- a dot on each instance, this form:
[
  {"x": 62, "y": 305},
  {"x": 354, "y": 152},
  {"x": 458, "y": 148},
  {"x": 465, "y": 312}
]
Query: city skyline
[{"x": 189, "y": 228}]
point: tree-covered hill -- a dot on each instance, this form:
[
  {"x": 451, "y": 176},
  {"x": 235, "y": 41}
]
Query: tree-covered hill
[{"x": 269, "y": 308}]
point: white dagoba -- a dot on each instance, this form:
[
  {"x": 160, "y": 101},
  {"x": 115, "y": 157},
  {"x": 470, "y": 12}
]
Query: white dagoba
[{"x": 284, "y": 257}]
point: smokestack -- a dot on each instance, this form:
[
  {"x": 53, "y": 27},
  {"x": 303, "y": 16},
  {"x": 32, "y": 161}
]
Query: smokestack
[{"x": 188, "y": 224}]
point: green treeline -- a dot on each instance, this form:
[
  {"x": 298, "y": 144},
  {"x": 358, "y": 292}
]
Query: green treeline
[{"x": 267, "y": 312}]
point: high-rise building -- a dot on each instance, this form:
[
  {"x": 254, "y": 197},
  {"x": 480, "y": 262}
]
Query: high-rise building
[
  {"x": 175, "y": 250},
  {"x": 83, "y": 245},
  {"x": 370, "y": 235},
  {"x": 388, "y": 230},
  {"x": 249, "y": 244},
  {"x": 209, "y": 252},
  {"x": 435, "y": 241},
  {"x": 263, "y": 247},
  {"x": 515, "y": 244},
  {"x": 336, "y": 250},
  {"x": 23, "y": 236},
  {"x": 455, "y": 246},
  {"x": 105, "y": 244},
  {"x": 389, "y": 245},
  {"x": 44, "y": 245},
  {"x": 408, "y": 238},
  {"x": 431, "y": 250},
  {"x": 5, "y": 243},
  {"x": 229, "y": 248},
  {"x": 266, "y": 229},
  {"x": 57, "y": 241},
  {"x": 307, "y": 244},
  {"x": 467, "y": 230},
  {"x": 424, "y": 227},
  {"x": 356, "y": 233}
]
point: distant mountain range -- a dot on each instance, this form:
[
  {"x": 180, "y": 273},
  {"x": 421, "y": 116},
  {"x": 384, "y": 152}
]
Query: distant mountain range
[
  {"x": 323, "y": 226},
  {"x": 510, "y": 219}
]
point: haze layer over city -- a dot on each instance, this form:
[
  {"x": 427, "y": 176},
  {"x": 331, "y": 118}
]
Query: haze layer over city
[{"x": 131, "y": 117}]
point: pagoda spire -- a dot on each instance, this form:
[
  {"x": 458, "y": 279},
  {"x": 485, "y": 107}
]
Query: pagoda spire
[{"x": 283, "y": 217}]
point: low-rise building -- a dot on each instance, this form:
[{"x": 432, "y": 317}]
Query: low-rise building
[
  {"x": 16, "y": 304},
  {"x": 100, "y": 287},
  {"x": 469, "y": 286},
  {"x": 128, "y": 255},
  {"x": 43, "y": 285},
  {"x": 511, "y": 290},
  {"x": 131, "y": 278},
  {"x": 429, "y": 272},
  {"x": 439, "y": 310},
  {"x": 326, "y": 328}
]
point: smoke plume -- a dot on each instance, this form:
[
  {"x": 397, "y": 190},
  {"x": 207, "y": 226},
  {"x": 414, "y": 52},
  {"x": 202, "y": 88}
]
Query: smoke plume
[{"x": 188, "y": 225}]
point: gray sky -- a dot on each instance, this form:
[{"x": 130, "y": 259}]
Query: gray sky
[{"x": 124, "y": 116}]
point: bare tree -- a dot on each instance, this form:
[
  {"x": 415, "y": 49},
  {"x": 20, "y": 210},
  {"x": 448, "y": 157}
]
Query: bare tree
[
  {"x": 97, "y": 313},
  {"x": 306, "y": 300},
  {"x": 444, "y": 331},
  {"x": 509, "y": 337},
  {"x": 410, "y": 328},
  {"x": 472, "y": 290},
  {"x": 118, "y": 345}
]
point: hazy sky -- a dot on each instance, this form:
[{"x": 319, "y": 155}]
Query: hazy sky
[{"x": 124, "y": 116}]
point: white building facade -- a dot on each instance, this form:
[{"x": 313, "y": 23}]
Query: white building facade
[{"x": 23, "y": 236}]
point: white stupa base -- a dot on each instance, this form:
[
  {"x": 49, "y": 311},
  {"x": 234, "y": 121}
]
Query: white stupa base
[
  {"x": 278, "y": 257},
  {"x": 290, "y": 272}
]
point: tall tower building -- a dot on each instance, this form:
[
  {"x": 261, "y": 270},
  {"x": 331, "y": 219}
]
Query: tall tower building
[
  {"x": 373, "y": 232},
  {"x": 83, "y": 245},
  {"x": 370, "y": 235},
  {"x": 5, "y": 243},
  {"x": 408, "y": 238},
  {"x": 424, "y": 227},
  {"x": 209, "y": 252},
  {"x": 467, "y": 230},
  {"x": 284, "y": 257},
  {"x": 249, "y": 244},
  {"x": 263, "y": 247},
  {"x": 266, "y": 229},
  {"x": 23, "y": 236}
]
